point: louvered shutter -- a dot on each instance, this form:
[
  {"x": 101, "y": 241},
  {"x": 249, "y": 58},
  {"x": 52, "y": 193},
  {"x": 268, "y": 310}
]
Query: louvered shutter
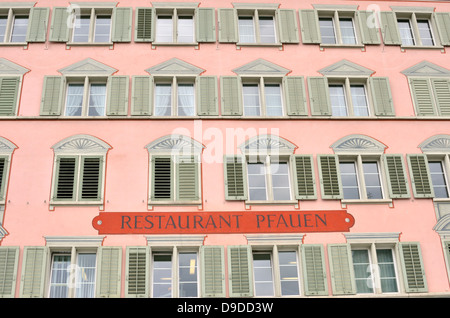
[
  {"x": 33, "y": 272},
  {"x": 368, "y": 27},
  {"x": 314, "y": 270},
  {"x": 295, "y": 96},
  {"x": 207, "y": 96},
  {"x": 309, "y": 25},
  {"x": 420, "y": 176},
  {"x": 382, "y": 97},
  {"x": 213, "y": 271},
  {"x": 109, "y": 272},
  {"x": 341, "y": 269},
  {"x": 288, "y": 26},
  {"x": 3, "y": 163},
  {"x": 121, "y": 28},
  {"x": 141, "y": 95},
  {"x": 240, "y": 271},
  {"x": 413, "y": 270},
  {"x": 396, "y": 176},
  {"x": 9, "y": 91},
  {"x": 206, "y": 26},
  {"x": 231, "y": 95},
  {"x": 422, "y": 96},
  {"x": 389, "y": 28},
  {"x": 118, "y": 87},
  {"x": 330, "y": 180},
  {"x": 161, "y": 179},
  {"x": 66, "y": 178},
  {"x": 441, "y": 90},
  {"x": 443, "y": 25},
  {"x": 227, "y": 25},
  {"x": 304, "y": 180},
  {"x": 37, "y": 25},
  {"x": 188, "y": 188},
  {"x": 59, "y": 29},
  {"x": 137, "y": 272},
  {"x": 319, "y": 96},
  {"x": 52, "y": 95},
  {"x": 145, "y": 25},
  {"x": 9, "y": 259},
  {"x": 235, "y": 178},
  {"x": 91, "y": 178}
]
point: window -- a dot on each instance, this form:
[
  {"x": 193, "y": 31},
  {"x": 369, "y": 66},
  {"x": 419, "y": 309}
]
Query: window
[
  {"x": 16, "y": 22},
  {"x": 175, "y": 98},
  {"x": 439, "y": 178},
  {"x": 5, "y": 163},
  {"x": 175, "y": 25},
  {"x": 267, "y": 101},
  {"x": 257, "y": 28},
  {"x": 348, "y": 102},
  {"x": 415, "y": 31},
  {"x": 361, "y": 179},
  {"x": 93, "y": 105},
  {"x": 332, "y": 27},
  {"x": 92, "y": 26}
]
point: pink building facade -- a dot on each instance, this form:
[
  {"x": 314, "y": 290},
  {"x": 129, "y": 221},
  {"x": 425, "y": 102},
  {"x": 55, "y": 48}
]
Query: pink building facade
[{"x": 224, "y": 149}]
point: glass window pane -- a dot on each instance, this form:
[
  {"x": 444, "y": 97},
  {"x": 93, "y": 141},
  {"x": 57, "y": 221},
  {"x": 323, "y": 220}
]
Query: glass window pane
[
  {"x": 86, "y": 265},
  {"x": 387, "y": 271},
  {"x": 347, "y": 31},
  {"x": 406, "y": 34},
  {"x": 262, "y": 269},
  {"x": 349, "y": 180},
  {"x": 74, "y": 99},
  {"x": 102, "y": 29},
  {"x": 289, "y": 273},
  {"x": 186, "y": 106},
  {"x": 163, "y": 99},
  {"x": 362, "y": 269},
  {"x": 3, "y": 23},
  {"x": 256, "y": 181},
  {"x": 327, "y": 30},
  {"x": 246, "y": 30},
  {"x": 280, "y": 181},
  {"x": 372, "y": 180},
  {"x": 188, "y": 278},
  {"x": 164, "y": 29},
  {"x": 337, "y": 99},
  {"x": 359, "y": 100},
  {"x": 185, "y": 29},
  {"x": 438, "y": 179},
  {"x": 19, "y": 30},
  {"x": 252, "y": 106},
  {"x": 59, "y": 279},
  {"x": 81, "y": 28},
  {"x": 274, "y": 105},
  {"x": 162, "y": 275},
  {"x": 97, "y": 100},
  {"x": 267, "y": 30},
  {"x": 425, "y": 32}
]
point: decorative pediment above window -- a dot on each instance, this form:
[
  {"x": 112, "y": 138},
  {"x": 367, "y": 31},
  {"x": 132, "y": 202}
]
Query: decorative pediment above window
[
  {"x": 81, "y": 144},
  {"x": 438, "y": 143},
  {"x": 175, "y": 67},
  {"x": 261, "y": 67},
  {"x": 175, "y": 145},
  {"x": 358, "y": 144},
  {"x": 6, "y": 146},
  {"x": 10, "y": 68},
  {"x": 87, "y": 67},
  {"x": 268, "y": 144},
  {"x": 346, "y": 68},
  {"x": 426, "y": 69}
]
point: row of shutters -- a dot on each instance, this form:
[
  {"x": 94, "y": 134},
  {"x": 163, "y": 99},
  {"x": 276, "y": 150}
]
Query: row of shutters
[
  {"x": 212, "y": 258},
  {"x": 206, "y": 29}
]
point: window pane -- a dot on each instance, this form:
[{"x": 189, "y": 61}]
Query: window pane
[
  {"x": 349, "y": 180},
  {"x": 97, "y": 100},
  {"x": 327, "y": 30},
  {"x": 19, "y": 31},
  {"x": 188, "y": 279},
  {"x": 102, "y": 29},
  {"x": 267, "y": 30},
  {"x": 74, "y": 102},
  {"x": 162, "y": 275},
  {"x": 347, "y": 31},
  {"x": 252, "y": 105},
  {"x": 338, "y": 102},
  {"x": 164, "y": 29},
  {"x": 280, "y": 181},
  {"x": 256, "y": 181},
  {"x": 425, "y": 32},
  {"x": 262, "y": 269},
  {"x": 59, "y": 279},
  {"x": 81, "y": 28},
  {"x": 163, "y": 99},
  {"x": 274, "y": 106},
  {"x": 406, "y": 34},
  {"x": 362, "y": 269},
  {"x": 186, "y": 104},
  {"x": 185, "y": 29},
  {"x": 246, "y": 30},
  {"x": 3, "y": 22},
  {"x": 387, "y": 271},
  {"x": 85, "y": 286},
  {"x": 359, "y": 100},
  {"x": 438, "y": 179},
  {"x": 289, "y": 273},
  {"x": 372, "y": 179}
]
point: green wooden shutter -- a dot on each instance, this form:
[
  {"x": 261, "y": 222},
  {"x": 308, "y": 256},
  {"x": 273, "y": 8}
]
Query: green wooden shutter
[
  {"x": 341, "y": 269},
  {"x": 52, "y": 95},
  {"x": 3, "y": 175},
  {"x": 295, "y": 95},
  {"x": 240, "y": 271},
  {"x": 447, "y": 254},
  {"x": 91, "y": 178},
  {"x": 235, "y": 178},
  {"x": 161, "y": 179},
  {"x": 188, "y": 187},
  {"x": 330, "y": 180},
  {"x": 231, "y": 95},
  {"x": 109, "y": 266},
  {"x": 413, "y": 269},
  {"x": 420, "y": 176},
  {"x": 309, "y": 25},
  {"x": 141, "y": 95},
  {"x": 396, "y": 176},
  {"x": 389, "y": 28},
  {"x": 382, "y": 97},
  {"x": 206, "y": 25},
  {"x": 228, "y": 32},
  {"x": 9, "y": 95},
  {"x": 288, "y": 26},
  {"x": 59, "y": 29},
  {"x": 368, "y": 27},
  {"x": 305, "y": 185},
  {"x": 65, "y": 178},
  {"x": 34, "y": 267},
  {"x": 441, "y": 90},
  {"x": 121, "y": 28},
  {"x": 213, "y": 271},
  {"x": 9, "y": 259},
  {"x": 422, "y": 96},
  {"x": 319, "y": 96},
  {"x": 118, "y": 87},
  {"x": 37, "y": 25},
  {"x": 443, "y": 25},
  {"x": 314, "y": 270},
  {"x": 207, "y": 96},
  {"x": 145, "y": 25},
  {"x": 137, "y": 272}
]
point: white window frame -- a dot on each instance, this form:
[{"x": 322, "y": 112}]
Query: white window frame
[
  {"x": 413, "y": 17},
  {"x": 6, "y": 152},
  {"x": 261, "y": 82},
  {"x": 255, "y": 15},
  {"x": 92, "y": 13},
  {"x": 176, "y": 13},
  {"x": 174, "y": 81},
  {"x": 444, "y": 159},
  {"x": 10, "y": 14},
  {"x": 347, "y": 83},
  {"x": 86, "y": 81},
  {"x": 336, "y": 15}
]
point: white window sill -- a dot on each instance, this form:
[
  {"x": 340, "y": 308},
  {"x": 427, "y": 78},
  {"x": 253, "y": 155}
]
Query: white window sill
[
  {"x": 267, "y": 202},
  {"x": 339, "y": 45},
  {"x": 89, "y": 44},
  {"x": 439, "y": 200},
  {"x": 259, "y": 44},
  {"x": 344, "y": 202},
  {"x": 174, "y": 44},
  {"x": 53, "y": 204},
  {"x": 14, "y": 44},
  {"x": 174, "y": 203},
  {"x": 428, "y": 47}
]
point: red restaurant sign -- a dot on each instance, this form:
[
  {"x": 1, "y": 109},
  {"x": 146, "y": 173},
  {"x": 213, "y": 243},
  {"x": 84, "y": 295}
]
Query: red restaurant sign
[{"x": 222, "y": 222}]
